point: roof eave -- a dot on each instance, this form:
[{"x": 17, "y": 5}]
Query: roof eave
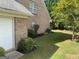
[{"x": 13, "y": 13}]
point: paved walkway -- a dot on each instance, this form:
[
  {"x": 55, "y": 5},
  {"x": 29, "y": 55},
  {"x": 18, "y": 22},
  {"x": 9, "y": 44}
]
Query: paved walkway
[
  {"x": 12, "y": 55},
  {"x": 64, "y": 31}
]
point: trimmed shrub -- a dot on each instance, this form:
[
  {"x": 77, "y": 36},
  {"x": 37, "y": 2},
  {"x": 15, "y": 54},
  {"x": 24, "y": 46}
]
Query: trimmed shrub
[
  {"x": 61, "y": 26},
  {"x": 35, "y": 27},
  {"x": 33, "y": 32},
  {"x": 2, "y": 52},
  {"x": 26, "y": 45},
  {"x": 48, "y": 30}
]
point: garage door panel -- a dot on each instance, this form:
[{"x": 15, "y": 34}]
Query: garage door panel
[{"x": 6, "y": 33}]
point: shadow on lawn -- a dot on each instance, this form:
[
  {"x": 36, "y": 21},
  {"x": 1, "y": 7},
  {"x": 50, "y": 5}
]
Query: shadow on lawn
[
  {"x": 47, "y": 45},
  {"x": 57, "y": 37},
  {"x": 52, "y": 38}
]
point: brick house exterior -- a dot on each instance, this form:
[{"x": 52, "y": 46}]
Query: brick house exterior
[
  {"x": 41, "y": 18},
  {"x": 17, "y": 16}
]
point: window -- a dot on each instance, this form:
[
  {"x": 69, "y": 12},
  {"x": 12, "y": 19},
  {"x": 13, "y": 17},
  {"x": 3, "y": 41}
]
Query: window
[{"x": 33, "y": 7}]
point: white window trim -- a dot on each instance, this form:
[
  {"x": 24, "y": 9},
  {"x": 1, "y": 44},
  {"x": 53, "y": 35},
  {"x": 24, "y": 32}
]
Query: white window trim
[{"x": 33, "y": 7}]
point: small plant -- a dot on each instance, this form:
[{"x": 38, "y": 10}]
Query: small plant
[
  {"x": 2, "y": 52},
  {"x": 35, "y": 27},
  {"x": 26, "y": 45},
  {"x": 33, "y": 31}
]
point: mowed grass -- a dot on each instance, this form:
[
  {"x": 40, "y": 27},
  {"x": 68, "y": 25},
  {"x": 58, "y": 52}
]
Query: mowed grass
[{"x": 55, "y": 45}]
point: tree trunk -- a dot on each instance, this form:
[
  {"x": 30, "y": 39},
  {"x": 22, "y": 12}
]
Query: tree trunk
[{"x": 73, "y": 35}]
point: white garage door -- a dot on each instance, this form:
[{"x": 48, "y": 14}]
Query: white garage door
[{"x": 6, "y": 33}]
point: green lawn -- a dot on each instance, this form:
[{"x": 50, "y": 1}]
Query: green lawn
[{"x": 55, "y": 45}]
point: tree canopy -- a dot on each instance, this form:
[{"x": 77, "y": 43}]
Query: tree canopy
[
  {"x": 50, "y": 4},
  {"x": 66, "y": 11}
]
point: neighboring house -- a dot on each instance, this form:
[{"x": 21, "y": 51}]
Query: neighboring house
[{"x": 16, "y": 17}]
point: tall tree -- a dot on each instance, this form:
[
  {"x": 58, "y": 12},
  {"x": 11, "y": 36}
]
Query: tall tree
[
  {"x": 50, "y": 4},
  {"x": 68, "y": 10}
]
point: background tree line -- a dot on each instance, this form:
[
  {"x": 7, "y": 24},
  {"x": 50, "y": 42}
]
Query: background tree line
[{"x": 64, "y": 14}]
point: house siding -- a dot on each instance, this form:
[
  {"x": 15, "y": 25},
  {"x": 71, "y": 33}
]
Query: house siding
[
  {"x": 20, "y": 29},
  {"x": 42, "y": 17}
]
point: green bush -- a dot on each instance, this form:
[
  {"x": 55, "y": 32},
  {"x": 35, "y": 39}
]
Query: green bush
[
  {"x": 48, "y": 30},
  {"x": 68, "y": 27},
  {"x": 26, "y": 45},
  {"x": 2, "y": 52},
  {"x": 52, "y": 25},
  {"x": 33, "y": 32},
  {"x": 61, "y": 25}
]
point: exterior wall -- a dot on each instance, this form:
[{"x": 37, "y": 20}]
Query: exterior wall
[
  {"x": 42, "y": 17},
  {"x": 20, "y": 29}
]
